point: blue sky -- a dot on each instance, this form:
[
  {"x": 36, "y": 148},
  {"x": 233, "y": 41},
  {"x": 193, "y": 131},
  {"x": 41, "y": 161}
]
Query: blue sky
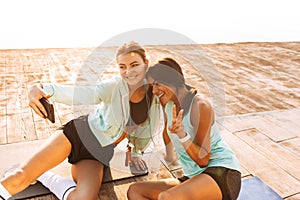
[{"x": 89, "y": 23}]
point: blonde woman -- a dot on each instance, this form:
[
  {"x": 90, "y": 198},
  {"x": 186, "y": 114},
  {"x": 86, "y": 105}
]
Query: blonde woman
[{"x": 127, "y": 109}]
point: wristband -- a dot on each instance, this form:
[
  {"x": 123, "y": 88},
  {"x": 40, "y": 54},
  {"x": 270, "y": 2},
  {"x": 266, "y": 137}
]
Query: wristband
[{"x": 185, "y": 138}]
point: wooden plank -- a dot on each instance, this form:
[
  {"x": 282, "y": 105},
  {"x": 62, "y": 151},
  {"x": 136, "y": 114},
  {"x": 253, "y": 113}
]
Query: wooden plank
[
  {"x": 269, "y": 128},
  {"x": 44, "y": 128},
  {"x": 63, "y": 112},
  {"x": 120, "y": 188},
  {"x": 292, "y": 114},
  {"x": 287, "y": 119},
  {"x": 27, "y": 125},
  {"x": 12, "y": 103},
  {"x": 293, "y": 145},
  {"x": 284, "y": 121},
  {"x": 293, "y": 197},
  {"x": 107, "y": 192},
  {"x": 257, "y": 164},
  {"x": 289, "y": 126},
  {"x": 272, "y": 151},
  {"x": 244, "y": 171},
  {"x": 283, "y": 187},
  {"x": 16, "y": 131},
  {"x": 3, "y": 98},
  {"x": 20, "y": 128},
  {"x": 3, "y": 136},
  {"x": 20, "y": 125},
  {"x": 234, "y": 123},
  {"x": 163, "y": 173},
  {"x": 235, "y": 147}
]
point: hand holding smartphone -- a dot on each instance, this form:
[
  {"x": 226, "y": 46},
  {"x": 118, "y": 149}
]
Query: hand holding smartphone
[{"x": 49, "y": 109}]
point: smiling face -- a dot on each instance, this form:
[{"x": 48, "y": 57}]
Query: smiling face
[
  {"x": 164, "y": 92},
  {"x": 132, "y": 68}
]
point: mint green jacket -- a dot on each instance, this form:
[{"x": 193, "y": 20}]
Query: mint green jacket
[{"x": 109, "y": 120}]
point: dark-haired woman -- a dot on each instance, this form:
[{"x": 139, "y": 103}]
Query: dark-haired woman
[{"x": 211, "y": 169}]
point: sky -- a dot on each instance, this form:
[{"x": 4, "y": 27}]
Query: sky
[{"x": 90, "y": 23}]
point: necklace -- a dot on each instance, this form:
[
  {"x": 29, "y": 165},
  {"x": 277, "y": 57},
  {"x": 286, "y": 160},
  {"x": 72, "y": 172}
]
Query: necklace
[{"x": 138, "y": 122}]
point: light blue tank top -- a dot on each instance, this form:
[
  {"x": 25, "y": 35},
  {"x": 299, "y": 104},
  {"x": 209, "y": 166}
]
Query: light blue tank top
[{"x": 220, "y": 153}]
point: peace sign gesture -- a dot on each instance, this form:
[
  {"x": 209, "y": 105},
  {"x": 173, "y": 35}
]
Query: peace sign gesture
[{"x": 177, "y": 127}]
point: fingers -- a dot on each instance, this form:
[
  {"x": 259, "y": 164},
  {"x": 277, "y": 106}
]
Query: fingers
[
  {"x": 35, "y": 94},
  {"x": 38, "y": 109},
  {"x": 179, "y": 116},
  {"x": 142, "y": 164},
  {"x": 174, "y": 114},
  {"x": 176, "y": 118},
  {"x": 176, "y": 121},
  {"x": 139, "y": 163}
]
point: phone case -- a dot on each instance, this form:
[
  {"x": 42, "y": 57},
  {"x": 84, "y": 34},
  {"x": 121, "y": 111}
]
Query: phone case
[{"x": 49, "y": 108}]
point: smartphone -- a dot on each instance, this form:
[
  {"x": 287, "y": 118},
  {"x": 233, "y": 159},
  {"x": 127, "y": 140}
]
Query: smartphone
[
  {"x": 138, "y": 172},
  {"x": 49, "y": 108}
]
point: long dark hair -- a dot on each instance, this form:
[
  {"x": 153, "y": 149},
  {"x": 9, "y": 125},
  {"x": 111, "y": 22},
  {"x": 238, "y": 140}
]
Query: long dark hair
[{"x": 167, "y": 71}]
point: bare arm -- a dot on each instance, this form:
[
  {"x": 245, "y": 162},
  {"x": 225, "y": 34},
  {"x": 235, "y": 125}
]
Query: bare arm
[
  {"x": 201, "y": 119},
  {"x": 170, "y": 153}
]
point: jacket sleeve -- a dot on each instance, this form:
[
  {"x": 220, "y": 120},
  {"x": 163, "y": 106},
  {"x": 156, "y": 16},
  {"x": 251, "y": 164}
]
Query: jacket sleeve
[{"x": 80, "y": 95}]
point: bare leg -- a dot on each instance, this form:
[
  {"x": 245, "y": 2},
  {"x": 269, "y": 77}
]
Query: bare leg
[
  {"x": 201, "y": 186},
  {"x": 88, "y": 176},
  {"x": 150, "y": 189},
  {"x": 55, "y": 150}
]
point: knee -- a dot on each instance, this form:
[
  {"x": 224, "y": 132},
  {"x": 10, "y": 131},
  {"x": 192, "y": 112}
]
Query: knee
[
  {"x": 165, "y": 195},
  {"x": 133, "y": 191}
]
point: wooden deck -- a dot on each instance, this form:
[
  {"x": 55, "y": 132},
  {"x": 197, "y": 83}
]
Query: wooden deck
[{"x": 255, "y": 88}]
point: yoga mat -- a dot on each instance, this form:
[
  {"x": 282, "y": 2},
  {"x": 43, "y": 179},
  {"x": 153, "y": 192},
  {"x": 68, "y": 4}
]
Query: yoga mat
[
  {"x": 32, "y": 191},
  {"x": 255, "y": 189}
]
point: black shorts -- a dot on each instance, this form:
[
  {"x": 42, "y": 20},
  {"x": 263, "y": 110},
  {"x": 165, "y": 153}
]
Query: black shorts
[
  {"x": 85, "y": 145},
  {"x": 228, "y": 180}
]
